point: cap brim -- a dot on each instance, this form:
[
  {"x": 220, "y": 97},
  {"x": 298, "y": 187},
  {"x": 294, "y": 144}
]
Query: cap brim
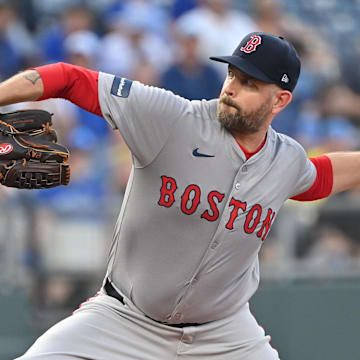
[{"x": 243, "y": 65}]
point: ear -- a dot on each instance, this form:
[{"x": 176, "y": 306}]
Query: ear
[{"x": 282, "y": 98}]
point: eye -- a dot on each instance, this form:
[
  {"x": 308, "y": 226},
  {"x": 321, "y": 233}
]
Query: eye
[
  {"x": 231, "y": 75},
  {"x": 248, "y": 82}
]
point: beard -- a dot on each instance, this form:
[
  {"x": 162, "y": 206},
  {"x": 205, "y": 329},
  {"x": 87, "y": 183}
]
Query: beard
[{"x": 242, "y": 122}]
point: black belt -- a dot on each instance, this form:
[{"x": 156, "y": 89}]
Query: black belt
[{"x": 110, "y": 290}]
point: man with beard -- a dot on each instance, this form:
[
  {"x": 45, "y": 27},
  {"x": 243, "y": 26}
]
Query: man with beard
[{"x": 202, "y": 195}]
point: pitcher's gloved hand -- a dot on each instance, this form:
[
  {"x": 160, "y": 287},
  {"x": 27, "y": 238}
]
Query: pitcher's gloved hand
[{"x": 30, "y": 158}]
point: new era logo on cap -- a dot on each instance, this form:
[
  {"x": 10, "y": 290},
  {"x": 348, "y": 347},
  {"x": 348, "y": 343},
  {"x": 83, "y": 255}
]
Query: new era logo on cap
[{"x": 285, "y": 79}]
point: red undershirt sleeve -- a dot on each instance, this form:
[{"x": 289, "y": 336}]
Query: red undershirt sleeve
[
  {"x": 71, "y": 82},
  {"x": 323, "y": 184}
]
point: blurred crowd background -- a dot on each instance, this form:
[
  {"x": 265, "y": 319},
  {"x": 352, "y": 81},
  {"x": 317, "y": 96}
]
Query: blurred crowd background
[{"x": 54, "y": 243}]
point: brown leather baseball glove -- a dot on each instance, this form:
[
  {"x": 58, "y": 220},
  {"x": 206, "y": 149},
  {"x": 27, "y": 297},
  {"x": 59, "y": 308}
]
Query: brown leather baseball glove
[{"x": 30, "y": 158}]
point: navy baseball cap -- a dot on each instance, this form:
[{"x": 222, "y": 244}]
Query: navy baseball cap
[{"x": 266, "y": 57}]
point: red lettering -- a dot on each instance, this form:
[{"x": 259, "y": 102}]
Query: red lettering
[
  {"x": 237, "y": 204},
  {"x": 190, "y": 201},
  {"x": 266, "y": 225},
  {"x": 250, "y": 218},
  {"x": 195, "y": 201},
  {"x": 167, "y": 191},
  {"x": 215, "y": 211}
]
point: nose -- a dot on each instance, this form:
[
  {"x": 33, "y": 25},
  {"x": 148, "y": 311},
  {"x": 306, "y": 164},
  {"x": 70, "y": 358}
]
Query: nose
[{"x": 229, "y": 88}]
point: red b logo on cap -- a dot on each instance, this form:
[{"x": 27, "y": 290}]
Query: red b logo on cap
[{"x": 252, "y": 44}]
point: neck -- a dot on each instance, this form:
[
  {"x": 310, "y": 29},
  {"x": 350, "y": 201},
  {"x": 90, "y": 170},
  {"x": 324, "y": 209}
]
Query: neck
[{"x": 250, "y": 142}]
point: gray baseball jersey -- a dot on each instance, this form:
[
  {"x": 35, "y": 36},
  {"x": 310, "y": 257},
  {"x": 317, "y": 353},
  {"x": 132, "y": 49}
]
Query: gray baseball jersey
[{"x": 195, "y": 212}]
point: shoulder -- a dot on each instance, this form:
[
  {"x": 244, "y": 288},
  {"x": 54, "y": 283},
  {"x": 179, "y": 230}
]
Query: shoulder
[
  {"x": 283, "y": 139},
  {"x": 126, "y": 88},
  {"x": 139, "y": 99},
  {"x": 122, "y": 87},
  {"x": 285, "y": 143},
  {"x": 205, "y": 109}
]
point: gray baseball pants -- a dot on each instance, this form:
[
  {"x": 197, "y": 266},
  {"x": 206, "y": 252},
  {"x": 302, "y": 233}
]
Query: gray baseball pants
[{"x": 105, "y": 329}]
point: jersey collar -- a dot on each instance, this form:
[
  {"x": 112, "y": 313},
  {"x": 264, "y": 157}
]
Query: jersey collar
[{"x": 236, "y": 151}]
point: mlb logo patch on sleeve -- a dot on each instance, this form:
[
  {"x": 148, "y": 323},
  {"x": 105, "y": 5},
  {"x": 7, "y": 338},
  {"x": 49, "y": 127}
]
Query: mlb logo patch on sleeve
[{"x": 121, "y": 87}]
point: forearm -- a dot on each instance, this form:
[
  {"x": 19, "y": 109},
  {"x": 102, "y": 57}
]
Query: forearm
[
  {"x": 346, "y": 170},
  {"x": 25, "y": 86}
]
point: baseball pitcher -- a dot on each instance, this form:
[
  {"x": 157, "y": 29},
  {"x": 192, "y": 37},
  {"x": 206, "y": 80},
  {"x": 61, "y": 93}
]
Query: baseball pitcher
[{"x": 207, "y": 181}]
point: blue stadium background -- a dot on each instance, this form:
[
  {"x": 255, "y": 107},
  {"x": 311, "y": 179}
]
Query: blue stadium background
[{"x": 53, "y": 243}]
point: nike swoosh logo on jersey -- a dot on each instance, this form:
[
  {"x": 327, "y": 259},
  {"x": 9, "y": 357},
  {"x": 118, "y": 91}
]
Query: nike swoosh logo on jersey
[{"x": 196, "y": 153}]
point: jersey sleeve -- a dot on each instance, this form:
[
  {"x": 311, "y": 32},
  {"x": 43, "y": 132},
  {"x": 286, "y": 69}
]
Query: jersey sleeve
[
  {"x": 305, "y": 174},
  {"x": 322, "y": 186},
  {"x": 144, "y": 114}
]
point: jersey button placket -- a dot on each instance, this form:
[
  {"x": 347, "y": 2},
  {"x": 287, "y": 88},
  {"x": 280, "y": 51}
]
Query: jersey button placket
[
  {"x": 237, "y": 186},
  {"x": 214, "y": 245},
  {"x": 194, "y": 280}
]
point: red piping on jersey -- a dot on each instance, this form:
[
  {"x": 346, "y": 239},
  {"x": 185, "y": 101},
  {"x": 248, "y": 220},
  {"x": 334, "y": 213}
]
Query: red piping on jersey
[
  {"x": 71, "y": 82},
  {"x": 323, "y": 183}
]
